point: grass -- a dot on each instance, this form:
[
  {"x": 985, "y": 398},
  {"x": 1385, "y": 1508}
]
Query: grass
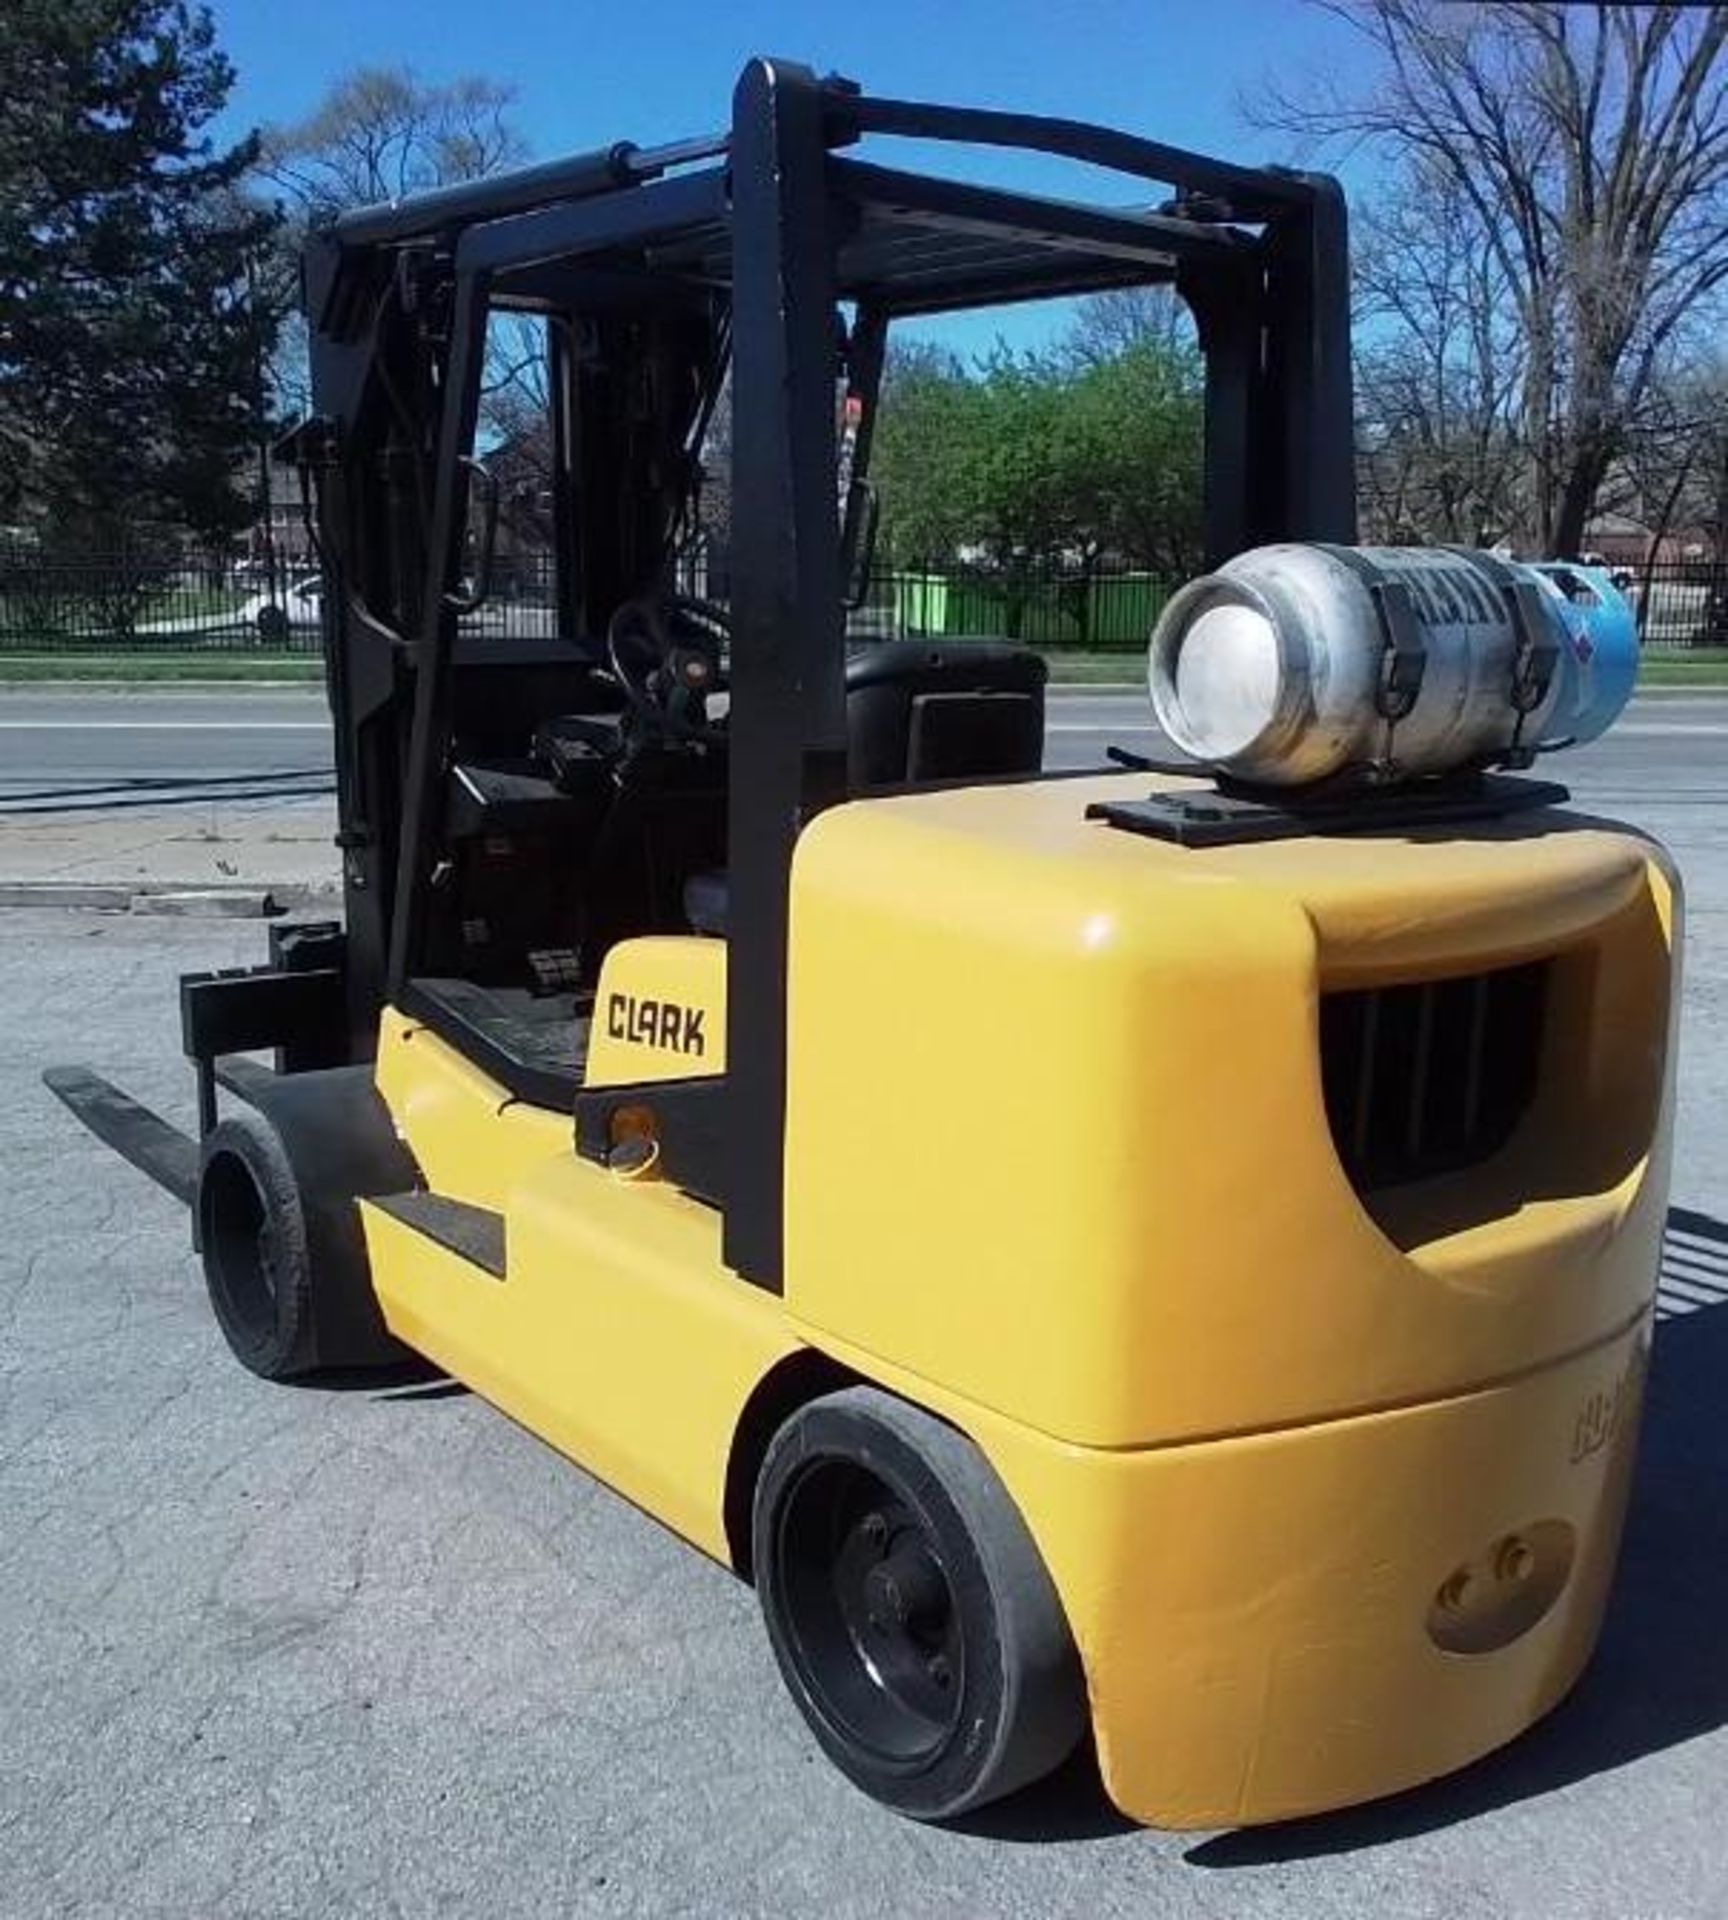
[
  {"x": 146, "y": 669},
  {"x": 1097, "y": 669},
  {"x": 1694, "y": 667}
]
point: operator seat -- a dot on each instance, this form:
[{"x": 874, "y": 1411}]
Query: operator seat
[{"x": 919, "y": 711}]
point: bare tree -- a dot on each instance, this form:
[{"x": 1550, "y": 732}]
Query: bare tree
[
  {"x": 1587, "y": 149},
  {"x": 1107, "y": 325},
  {"x": 1676, "y": 466},
  {"x": 1439, "y": 367},
  {"x": 380, "y": 134}
]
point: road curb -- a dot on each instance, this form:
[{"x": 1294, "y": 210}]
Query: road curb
[
  {"x": 170, "y": 900},
  {"x": 209, "y": 903},
  {"x": 64, "y": 893}
]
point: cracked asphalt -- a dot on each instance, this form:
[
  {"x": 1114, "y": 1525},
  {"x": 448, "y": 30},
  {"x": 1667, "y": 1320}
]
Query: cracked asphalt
[{"x": 270, "y": 1651}]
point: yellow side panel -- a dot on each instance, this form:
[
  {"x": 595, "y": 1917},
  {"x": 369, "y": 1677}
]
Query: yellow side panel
[
  {"x": 660, "y": 1013},
  {"x": 618, "y": 1336},
  {"x": 471, "y": 1137},
  {"x": 1056, "y": 1135}
]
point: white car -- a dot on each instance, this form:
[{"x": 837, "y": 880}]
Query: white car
[{"x": 298, "y": 605}]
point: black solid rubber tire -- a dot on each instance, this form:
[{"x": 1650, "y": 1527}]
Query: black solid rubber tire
[
  {"x": 1020, "y": 1699},
  {"x": 257, "y": 1260}
]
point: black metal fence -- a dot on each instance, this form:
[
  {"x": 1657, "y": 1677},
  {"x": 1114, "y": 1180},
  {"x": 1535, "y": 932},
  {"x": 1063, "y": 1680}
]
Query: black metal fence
[
  {"x": 142, "y": 602},
  {"x": 1681, "y": 605},
  {"x": 146, "y": 600}
]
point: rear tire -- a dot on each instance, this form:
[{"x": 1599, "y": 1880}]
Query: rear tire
[
  {"x": 287, "y": 1276},
  {"x": 912, "y": 1617}
]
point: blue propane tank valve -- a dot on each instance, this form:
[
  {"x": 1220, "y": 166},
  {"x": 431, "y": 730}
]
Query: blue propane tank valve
[{"x": 1598, "y": 665}]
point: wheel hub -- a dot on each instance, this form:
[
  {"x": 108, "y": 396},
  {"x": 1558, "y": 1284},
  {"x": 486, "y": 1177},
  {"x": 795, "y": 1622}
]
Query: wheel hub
[
  {"x": 905, "y": 1593},
  {"x": 872, "y": 1612}
]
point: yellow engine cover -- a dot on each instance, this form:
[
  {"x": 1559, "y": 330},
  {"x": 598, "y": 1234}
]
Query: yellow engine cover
[{"x": 1056, "y": 1135}]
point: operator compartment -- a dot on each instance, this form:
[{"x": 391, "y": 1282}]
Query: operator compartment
[
  {"x": 575, "y": 850},
  {"x": 1231, "y": 1137}
]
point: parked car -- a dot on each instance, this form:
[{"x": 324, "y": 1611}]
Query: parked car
[{"x": 296, "y": 606}]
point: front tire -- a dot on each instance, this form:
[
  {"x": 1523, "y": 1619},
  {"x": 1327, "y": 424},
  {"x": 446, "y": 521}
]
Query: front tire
[
  {"x": 912, "y": 1617},
  {"x": 285, "y": 1259},
  {"x": 257, "y": 1263}
]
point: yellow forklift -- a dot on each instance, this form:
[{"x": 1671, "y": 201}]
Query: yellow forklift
[{"x": 1163, "y": 1254}]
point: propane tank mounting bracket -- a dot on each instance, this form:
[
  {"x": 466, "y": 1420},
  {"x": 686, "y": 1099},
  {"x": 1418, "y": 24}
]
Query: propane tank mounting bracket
[
  {"x": 1533, "y": 662},
  {"x": 1223, "y": 816},
  {"x": 1403, "y": 661},
  {"x": 1535, "y": 653}
]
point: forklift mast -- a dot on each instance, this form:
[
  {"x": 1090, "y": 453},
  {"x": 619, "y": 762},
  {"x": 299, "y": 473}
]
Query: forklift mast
[{"x": 777, "y": 252}]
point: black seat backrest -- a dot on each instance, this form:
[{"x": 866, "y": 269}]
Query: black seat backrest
[{"x": 942, "y": 710}]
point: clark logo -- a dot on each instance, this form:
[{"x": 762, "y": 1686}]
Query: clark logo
[{"x": 656, "y": 1023}]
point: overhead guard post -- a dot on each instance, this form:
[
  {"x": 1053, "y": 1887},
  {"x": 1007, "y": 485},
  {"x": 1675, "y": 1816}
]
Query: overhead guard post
[{"x": 788, "y": 757}]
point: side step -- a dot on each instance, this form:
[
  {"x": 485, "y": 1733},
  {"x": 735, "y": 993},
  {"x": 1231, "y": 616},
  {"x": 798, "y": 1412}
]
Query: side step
[
  {"x": 475, "y": 1234},
  {"x": 167, "y": 1155}
]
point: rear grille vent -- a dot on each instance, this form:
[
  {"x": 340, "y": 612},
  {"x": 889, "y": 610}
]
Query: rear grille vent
[{"x": 1424, "y": 1078}]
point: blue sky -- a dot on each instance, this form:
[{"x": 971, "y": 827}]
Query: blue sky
[{"x": 587, "y": 74}]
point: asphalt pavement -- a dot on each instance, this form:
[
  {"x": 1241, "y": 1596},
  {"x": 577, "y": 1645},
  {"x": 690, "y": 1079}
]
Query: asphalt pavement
[
  {"x": 270, "y": 1651},
  {"x": 90, "y": 739},
  {"x": 70, "y": 740}
]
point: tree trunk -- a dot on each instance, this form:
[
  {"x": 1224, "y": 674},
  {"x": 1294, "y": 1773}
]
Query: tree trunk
[{"x": 1583, "y": 478}]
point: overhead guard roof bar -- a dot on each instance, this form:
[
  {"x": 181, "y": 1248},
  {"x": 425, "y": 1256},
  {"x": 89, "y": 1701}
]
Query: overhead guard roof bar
[
  {"x": 919, "y": 296},
  {"x": 663, "y": 210},
  {"x": 1254, "y": 194},
  {"x": 579, "y": 177},
  {"x": 660, "y": 210},
  {"x": 958, "y": 206}
]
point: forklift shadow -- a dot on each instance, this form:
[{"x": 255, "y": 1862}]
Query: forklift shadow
[
  {"x": 411, "y": 1380},
  {"x": 1660, "y": 1675}
]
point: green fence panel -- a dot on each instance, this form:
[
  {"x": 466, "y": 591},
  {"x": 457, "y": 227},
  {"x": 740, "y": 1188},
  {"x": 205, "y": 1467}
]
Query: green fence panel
[{"x": 1115, "y": 610}]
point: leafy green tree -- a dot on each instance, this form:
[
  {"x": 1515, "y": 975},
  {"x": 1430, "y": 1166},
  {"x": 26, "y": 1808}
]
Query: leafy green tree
[
  {"x": 1033, "y": 465},
  {"x": 1135, "y": 430},
  {"x": 129, "y": 352},
  {"x": 916, "y": 455}
]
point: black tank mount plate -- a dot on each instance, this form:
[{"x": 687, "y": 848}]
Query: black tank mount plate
[{"x": 1219, "y": 816}]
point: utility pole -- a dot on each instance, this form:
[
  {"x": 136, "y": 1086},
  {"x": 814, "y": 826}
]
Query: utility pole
[{"x": 260, "y": 416}]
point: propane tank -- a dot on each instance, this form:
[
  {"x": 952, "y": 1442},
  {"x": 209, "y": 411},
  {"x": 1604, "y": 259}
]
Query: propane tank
[
  {"x": 1600, "y": 667},
  {"x": 1293, "y": 663}
]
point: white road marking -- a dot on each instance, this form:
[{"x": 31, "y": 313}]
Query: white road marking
[{"x": 1633, "y": 729}]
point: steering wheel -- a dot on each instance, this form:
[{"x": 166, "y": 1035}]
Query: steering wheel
[{"x": 668, "y": 654}]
